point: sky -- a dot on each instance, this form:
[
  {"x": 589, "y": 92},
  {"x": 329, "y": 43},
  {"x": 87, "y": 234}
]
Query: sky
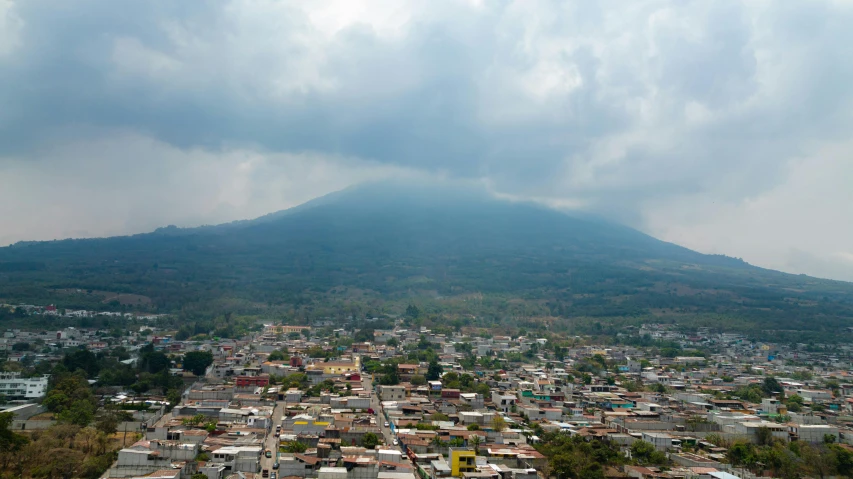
[{"x": 723, "y": 126}]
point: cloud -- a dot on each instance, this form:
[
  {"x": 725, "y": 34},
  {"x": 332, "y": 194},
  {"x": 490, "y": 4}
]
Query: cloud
[
  {"x": 87, "y": 193},
  {"x": 801, "y": 225},
  {"x": 10, "y": 28},
  {"x": 622, "y": 107}
]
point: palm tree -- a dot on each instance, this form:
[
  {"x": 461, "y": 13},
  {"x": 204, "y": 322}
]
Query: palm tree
[{"x": 474, "y": 440}]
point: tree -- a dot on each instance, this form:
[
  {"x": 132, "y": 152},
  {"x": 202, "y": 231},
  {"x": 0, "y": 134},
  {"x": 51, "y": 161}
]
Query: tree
[
  {"x": 413, "y": 311},
  {"x": 771, "y": 385},
  {"x": 764, "y": 436},
  {"x": 370, "y": 440},
  {"x": 174, "y": 398},
  {"x": 575, "y": 458},
  {"x": 107, "y": 423},
  {"x": 197, "y": 362},
  {"x": 645, "y": 453},
  {"x": 418, "y": 380},
  {"x": 292, "y": 447},
  {"x": 154, "y": 362},
  {"x": 740, "y": 454},
  {"x": 62, "y": 462},
  {"x": 819, "y": 461},
  {"x": 10, "y": 441},
  {"x": 390, "y": 378},
  {"x": 473, "y": 427},
  {"x": 194, "y": 420},
  {"x": 844, "y": 460},
  {"x": 80, "y": 413},
  {"x": 82, "y": 359},
  {"x": 475, "y": 442},
  {"x": 794, "y": 403},
  {"x": 69, "y": 390},
  {"x": 433, "y": 371},
  {"x": 498, "y": 423},
  {"x": 277, "y": 356}
]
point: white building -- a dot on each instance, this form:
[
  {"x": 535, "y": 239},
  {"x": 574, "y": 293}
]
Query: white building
[{"x": 13, "y": 386}]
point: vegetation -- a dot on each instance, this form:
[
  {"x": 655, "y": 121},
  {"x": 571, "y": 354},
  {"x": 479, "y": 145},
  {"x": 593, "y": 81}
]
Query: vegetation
[
  {"x": 79, "y": 445},
  {"x": 792, "y": 460},
  {"x": 370, "y": 440},
  {"x": 573, "y": 457},
  {"x": 293, "y": 447},
  {"x": 365, "y": 254},
  {"x": 197, "y": 362}
]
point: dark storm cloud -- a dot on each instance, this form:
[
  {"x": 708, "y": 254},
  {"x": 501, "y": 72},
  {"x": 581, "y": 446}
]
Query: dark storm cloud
[{"x": 618, "y": 107}]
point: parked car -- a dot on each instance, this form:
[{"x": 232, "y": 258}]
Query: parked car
[
  {"x": 387, "y": 424},
  {"x": 396, "y": 442},
  {"x": 268, "y": 453},
  {"x": 275, "y": 466},
  {"x": 265, "y": 473}
]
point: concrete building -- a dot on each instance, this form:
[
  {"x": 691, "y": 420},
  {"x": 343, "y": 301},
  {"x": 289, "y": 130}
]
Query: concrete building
[
  {"x": 13, "y": 386},
  {"x": 813, "y": 433},
  {"x": 392, "y": 393},
  {"x": 238, "y": 458},
  {"x": 503, "y": 402},
  {"x": 462, "y": 461},
  {"x": 661, "y": 441},
  {"x": 145, "y": 457}
]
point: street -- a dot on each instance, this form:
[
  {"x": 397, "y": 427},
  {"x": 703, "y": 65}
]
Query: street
[
  {"x": 374, "y": 403},
  {"x": 271, "y": 442}
]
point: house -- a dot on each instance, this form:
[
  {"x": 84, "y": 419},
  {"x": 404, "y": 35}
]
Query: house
[
  {"x": 661, "y": 441},
  {"x": 503, "y": 402},
  {"x": 251, "y": 381},
  {"x": 462, "y": 461},
  {"x": 392, "y": 393}
]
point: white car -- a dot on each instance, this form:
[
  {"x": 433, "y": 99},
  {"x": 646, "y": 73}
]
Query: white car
[
  {"x": 396, "y": 442},
  {"x": 387, "y": 424}
]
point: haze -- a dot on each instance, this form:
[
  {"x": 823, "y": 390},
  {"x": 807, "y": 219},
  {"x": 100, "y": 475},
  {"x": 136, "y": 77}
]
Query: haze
[{"x": 721, "y": 126}]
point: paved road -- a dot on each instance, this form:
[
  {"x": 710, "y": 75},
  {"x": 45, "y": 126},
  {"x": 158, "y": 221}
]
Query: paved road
[
  {"x": 271, "y": 442},
  {"x": 387, "y": 436}
]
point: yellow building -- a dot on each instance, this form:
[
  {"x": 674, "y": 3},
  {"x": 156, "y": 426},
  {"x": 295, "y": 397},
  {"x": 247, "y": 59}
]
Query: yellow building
[
  {"x": 462, "y": 461},
  {"x": 339, "y": 367},
  {"x": 285, "y": 329}
]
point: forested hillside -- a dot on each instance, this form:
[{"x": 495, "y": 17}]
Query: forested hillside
[{"x": 468, "y": 253}]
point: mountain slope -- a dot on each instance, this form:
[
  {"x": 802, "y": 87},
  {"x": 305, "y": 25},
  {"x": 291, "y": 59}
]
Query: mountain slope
[{"x": 401, "y": 241}]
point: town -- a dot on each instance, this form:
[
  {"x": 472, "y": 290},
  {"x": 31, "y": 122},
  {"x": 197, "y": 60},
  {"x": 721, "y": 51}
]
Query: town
[{"x": 405, "y": 402}]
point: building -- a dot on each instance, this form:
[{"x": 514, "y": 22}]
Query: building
[
  {"x": 282, "y": 329},
  {"x": 813, "y": 433},
  {"x": 251, "y": 381},
  {"x": 13, "y": 386},
  {"x": 338, "y": 367},
  {"x": 503, "y": 402},
  {"x": 462, "y": 461},
  {"x": 392, "y": 393}
]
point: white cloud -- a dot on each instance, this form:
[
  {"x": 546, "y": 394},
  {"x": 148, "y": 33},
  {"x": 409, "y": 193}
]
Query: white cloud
[
  {"x": 802, "y": 225},
  {"x": 11, "y": 26}
]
